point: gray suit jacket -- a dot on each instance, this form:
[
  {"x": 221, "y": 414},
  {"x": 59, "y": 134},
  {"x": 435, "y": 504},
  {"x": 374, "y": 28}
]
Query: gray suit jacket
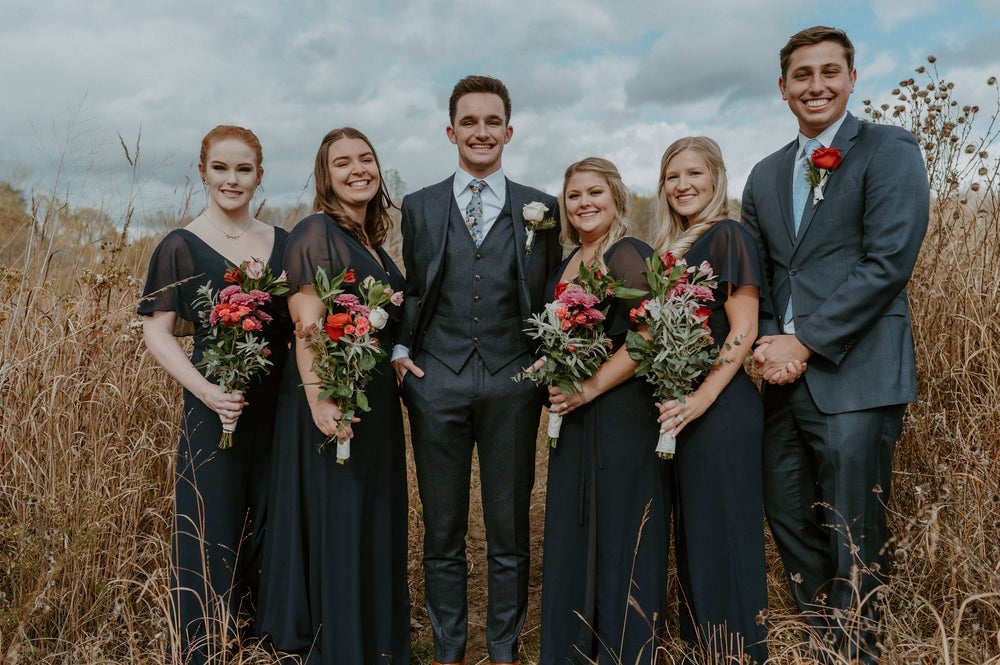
[
  {"x": 424, "y": 225},
  {"x": 848, "y": 266}
]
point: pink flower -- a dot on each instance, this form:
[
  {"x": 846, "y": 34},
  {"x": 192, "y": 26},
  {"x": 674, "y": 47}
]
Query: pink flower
[
  {"x": 250, "y": 323},
  {"x": 243, "y": 300},
  {"x": 227, "y": 292},
  {"x": 262, "y": 297},
  {"x": 283, "y": 277},
  {"x": 575, "y": 296},
  {"x": 361, "y": 325},
  {"x": 264, "y": 316},
  {"x": 255, "y": 269},
  {"x": 368, "y": 281},
  {"x": 396, "y": 298},
  {"x": 698, "y": 292},
  {"x": 706, "y": 270},
  {"x": 213, "y": 317}
]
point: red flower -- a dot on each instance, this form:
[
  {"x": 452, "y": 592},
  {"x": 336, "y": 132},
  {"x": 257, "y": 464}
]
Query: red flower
[
  {"x": 636, "y": 313},
  {"x": 566, "y": 325},
  {"x": 560, "y": 287},
  {"x": 361, "y": 325},
  {"x": 703, "y": 312},
  {"x": 572, "y": 348},
  {"x": 562, "y": 312},
  {"x": 826, "y": 158},
  {"x": 667, "y": 260},
  {"x": 349, "y": 278},
  {"x": 334, "y": 325},
  {"x": 233, "y": 276},
  {"x": 580, "y": 318}
]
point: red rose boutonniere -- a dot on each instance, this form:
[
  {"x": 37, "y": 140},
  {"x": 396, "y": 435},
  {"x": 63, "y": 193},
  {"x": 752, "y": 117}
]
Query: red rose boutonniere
[{"x": 819, "y": 166}]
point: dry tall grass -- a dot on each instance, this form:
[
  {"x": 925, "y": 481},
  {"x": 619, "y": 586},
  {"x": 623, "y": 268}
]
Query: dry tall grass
[{"x": 88, "y": 427}]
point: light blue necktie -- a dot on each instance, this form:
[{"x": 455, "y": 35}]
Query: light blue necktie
[
  {"x": 800, "y": 184},
  {"x": 474, "y": 211},
  {"x": 800, "y": 194}
]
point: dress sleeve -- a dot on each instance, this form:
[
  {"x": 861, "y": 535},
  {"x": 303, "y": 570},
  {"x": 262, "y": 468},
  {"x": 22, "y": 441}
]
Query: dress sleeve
[
  {"x": 172, "y": 280},
  {"x": 315, "y": 243},
  {"x": 736, "y": 260},
  {"x": 626, "y": 260}
]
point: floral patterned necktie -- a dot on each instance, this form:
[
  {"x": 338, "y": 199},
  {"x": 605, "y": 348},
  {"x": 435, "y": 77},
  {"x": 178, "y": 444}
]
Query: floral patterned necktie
[{"x": 474, "y": 211}]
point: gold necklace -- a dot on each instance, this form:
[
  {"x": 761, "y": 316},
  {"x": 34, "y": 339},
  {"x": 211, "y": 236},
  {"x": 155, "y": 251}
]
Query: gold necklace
[{"x": 219, "y": 228}]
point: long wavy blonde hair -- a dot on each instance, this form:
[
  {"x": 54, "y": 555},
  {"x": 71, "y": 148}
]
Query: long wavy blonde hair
[
  {"x": 568, "y": 235},
  {"x": 677, "y": 233}
]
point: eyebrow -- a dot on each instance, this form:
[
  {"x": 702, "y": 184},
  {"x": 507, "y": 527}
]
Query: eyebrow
[{"x": 364, "y": 154}]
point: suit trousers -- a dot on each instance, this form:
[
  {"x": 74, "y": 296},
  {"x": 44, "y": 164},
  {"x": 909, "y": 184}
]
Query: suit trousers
[
  {"x": 826, "y": 481},
  {"x": 450, "y": 413}
]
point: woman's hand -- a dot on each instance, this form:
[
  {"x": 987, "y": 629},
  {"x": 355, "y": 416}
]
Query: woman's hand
[
  {"x": 327, "y": 416},
  {"x": 676, "y": 415},
  {"x": 229, "y": 406},
  {"x": 562, "y": 403}
]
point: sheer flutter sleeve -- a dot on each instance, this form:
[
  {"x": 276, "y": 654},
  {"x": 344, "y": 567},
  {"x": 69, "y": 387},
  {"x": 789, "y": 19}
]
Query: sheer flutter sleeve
[
  {"x": 626, "y": 260},
  {"x": 315, "y": 242},
  {"x": 172, "y": 282},
  {"x": 735, "y": 259}
]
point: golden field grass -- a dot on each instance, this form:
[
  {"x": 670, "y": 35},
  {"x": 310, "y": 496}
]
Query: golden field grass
[{"x": 89, "y": 425}]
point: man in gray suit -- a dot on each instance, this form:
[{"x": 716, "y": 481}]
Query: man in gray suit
[
  {"x": 473, "y": 274},
  {"x": 839, "y": 356}
]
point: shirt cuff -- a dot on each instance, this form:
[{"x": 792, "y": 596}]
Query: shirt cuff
[{"x": 400, "y": 351}]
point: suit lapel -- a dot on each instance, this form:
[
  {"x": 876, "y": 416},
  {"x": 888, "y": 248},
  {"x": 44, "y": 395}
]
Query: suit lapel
[
  {"x": 437, "y": 215},
  {"x": 517, "y": 196},
  {"x": 843, "y": 141},
  {"x": 783, "y": 184}
]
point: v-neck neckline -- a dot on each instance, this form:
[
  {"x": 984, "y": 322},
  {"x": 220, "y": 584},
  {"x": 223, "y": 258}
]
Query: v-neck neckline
[{"x": 228, "y": 260}]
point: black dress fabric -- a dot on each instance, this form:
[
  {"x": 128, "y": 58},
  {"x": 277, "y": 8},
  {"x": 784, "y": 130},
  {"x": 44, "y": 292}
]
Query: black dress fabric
[
  {"x": 604, "y": 480},
  {"x": 334, "y": 587},
  {"x": 719, "y": 513},
  {"x": 220, "y": 494}
]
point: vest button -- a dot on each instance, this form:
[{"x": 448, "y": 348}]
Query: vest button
[
  {"x": 476, "y": 340},
  {"x": 479, "y": 256},
  {"x": 475, "y": 319},
  {"x": 478, "y": 278},
  {"x": 476, "y": 298}
]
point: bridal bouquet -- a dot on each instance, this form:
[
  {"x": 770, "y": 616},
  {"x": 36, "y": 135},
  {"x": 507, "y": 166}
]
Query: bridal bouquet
[
  {"x": 344, "y": 345},
  {"x": 571, "y": 335},
  {"x": 234, "y": 316},
  {"x": 680, "y": 348}
]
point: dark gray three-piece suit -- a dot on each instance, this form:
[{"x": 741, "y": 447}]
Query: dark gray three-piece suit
[
  {"x": 830, "y": 436},
  {"x": 463, "y": 322}
]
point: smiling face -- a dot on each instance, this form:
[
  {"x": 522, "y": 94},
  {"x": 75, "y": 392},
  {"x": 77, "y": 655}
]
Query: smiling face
[
  {"x": 231, "y": 172},
  {"x": 590, "y": 205},
  {"x": 480, "y": 131},
  {"x": 817, "y": 85},
  {"x": 353, "y": 175},
  {"x": 687, "y": 183}
]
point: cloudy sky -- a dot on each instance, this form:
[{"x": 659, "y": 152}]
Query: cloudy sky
[{"x": 587, "y": 77}]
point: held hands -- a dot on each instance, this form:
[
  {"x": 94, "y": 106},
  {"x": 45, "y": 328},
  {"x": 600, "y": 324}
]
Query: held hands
[
  {"x": 229, "y": 406},
  {"x": 327, "y": 415},
  {"x": 676, "y": 415},
  {"x": 562, "y": 403},
  {"x": 780, "y": 359},
  {"x": 403, "y": 365}
]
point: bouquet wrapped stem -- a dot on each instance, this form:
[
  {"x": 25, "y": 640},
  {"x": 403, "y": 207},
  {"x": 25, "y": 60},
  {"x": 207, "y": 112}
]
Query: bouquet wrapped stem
[
  {"x": 680, "y": 349},
  {"x": 234, "y": 316},
  {"x": 571, "y": 335},
  {"x": 344, "y": 347}
]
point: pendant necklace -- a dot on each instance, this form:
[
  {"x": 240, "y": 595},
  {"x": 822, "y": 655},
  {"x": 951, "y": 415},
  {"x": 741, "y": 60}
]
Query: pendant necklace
[{"x": 220, "y": 230}]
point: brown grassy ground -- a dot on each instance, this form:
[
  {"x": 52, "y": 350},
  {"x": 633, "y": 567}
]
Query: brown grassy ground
[{"x": 88, "y": 427}]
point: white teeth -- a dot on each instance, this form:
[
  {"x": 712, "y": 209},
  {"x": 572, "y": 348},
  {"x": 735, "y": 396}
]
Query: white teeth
[{"x": 815, "y": 103}]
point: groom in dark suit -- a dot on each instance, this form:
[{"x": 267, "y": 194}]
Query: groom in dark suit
[
  {"x": 839, "y": 358},
  {"x": 473, "y": 274}
]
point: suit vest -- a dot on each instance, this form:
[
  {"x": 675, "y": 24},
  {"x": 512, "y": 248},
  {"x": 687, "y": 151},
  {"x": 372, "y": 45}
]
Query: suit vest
[{"x": 477, "y": 308}]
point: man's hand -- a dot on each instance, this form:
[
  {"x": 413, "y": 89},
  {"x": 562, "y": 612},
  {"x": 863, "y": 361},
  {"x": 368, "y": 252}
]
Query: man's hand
[
  {"x": 403, "y": 365},
  {"x": 780, "y": 359}
]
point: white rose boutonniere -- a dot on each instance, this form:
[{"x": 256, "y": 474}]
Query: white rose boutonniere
[{"x": 535, "y": 220}]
